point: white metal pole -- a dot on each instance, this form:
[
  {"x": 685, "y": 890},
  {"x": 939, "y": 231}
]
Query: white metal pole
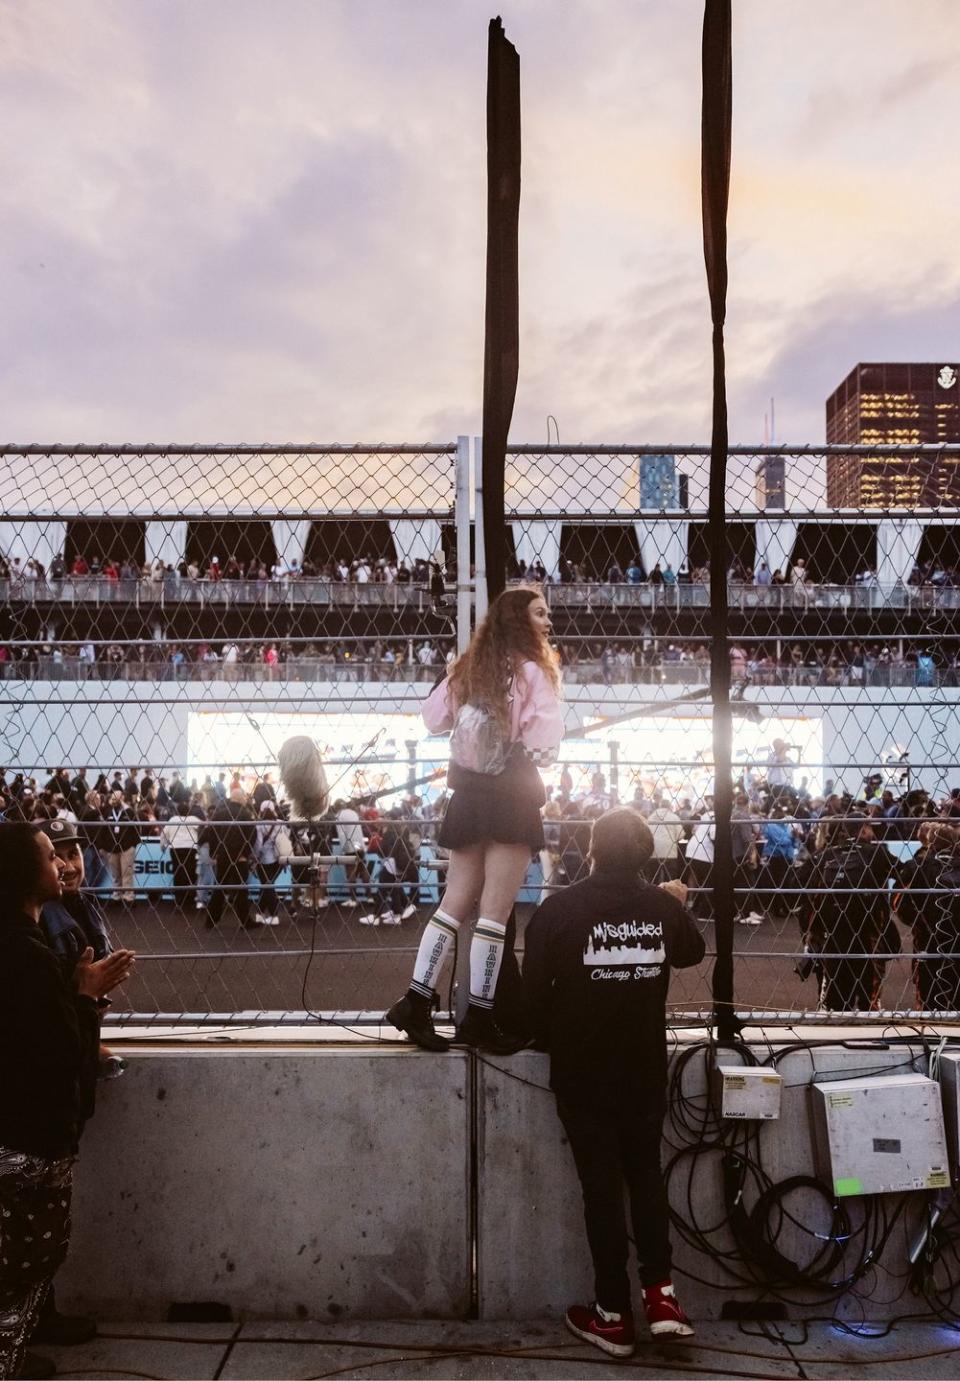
[
  {"x": 480, "y": 552},
  {"x": 461, "y": 516}
]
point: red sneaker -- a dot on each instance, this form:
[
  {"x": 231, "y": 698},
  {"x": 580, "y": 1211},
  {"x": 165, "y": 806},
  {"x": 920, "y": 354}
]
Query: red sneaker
[
  {"x": 664, "y": 1314},
  {"x": 611, "y": 1333}
]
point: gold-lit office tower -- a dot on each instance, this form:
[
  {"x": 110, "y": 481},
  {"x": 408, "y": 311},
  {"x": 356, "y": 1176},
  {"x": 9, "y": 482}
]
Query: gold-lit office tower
[{"x": 895, "y": 405}]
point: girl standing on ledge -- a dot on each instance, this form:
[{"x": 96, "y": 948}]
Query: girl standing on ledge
[{"x": 501, "y": 700}]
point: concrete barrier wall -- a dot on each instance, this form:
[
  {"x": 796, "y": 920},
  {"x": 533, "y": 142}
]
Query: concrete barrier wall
[
  {"x": 286, "y": 1184},
  {"x": 332, "y": 1182},
  {"x": 532, "y": 1247}
]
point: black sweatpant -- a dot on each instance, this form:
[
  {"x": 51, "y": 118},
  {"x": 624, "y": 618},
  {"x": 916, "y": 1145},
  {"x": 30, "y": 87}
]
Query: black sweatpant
[
  {"x": 700, "y": 875},
  {"x": 267, "y": 873},
  {"x": 231, "y": 889},
  {"x": 775, "y": 875},
  {"x": 612, "y": 1147},
  {"x": 184, "y": 878}
]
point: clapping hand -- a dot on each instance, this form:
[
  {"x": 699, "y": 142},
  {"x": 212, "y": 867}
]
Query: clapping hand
[{"x": 97, "y": 977}]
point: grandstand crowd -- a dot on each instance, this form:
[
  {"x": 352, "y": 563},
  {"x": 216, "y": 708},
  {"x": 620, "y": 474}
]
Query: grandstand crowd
[
  {"x": 648, "y": 661},
  {"x": 362, "y": 570},
  {"x": 797, "y": 575},
  {"x": 857, "y": 874}
]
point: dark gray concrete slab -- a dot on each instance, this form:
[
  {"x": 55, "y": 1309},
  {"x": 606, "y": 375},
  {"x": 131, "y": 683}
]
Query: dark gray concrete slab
[
  {"x": 922, "y": 1350},
  {"x": 166, "y": 1358},
  {"x": 468, "y": 1351},
  {"x": 488, "y": 1350},
  {"x": 281, "y": 1183}
]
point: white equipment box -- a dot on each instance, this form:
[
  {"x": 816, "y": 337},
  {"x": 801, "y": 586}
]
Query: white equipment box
[
  {"x": 950, "y": 1088},
  {"x": 749, "y": 1092},
  {"x": 881, "y": 1135}
]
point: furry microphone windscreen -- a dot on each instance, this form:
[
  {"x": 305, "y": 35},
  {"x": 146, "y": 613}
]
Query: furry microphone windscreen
[{"x": 303, "y": 777}]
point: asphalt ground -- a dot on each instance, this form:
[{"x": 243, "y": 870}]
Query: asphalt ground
[
  {"x": 329, "y": 962},
  {"x": 540, "y": 1350}
]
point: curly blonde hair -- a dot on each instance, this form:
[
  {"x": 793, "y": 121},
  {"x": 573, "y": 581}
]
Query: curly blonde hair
[{"x": 506, "y": 637}]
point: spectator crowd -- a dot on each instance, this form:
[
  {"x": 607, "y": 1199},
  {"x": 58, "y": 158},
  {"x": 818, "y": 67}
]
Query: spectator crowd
[
  {"x": 855, "y": 873},
  {"x": 361, "y": 570},
  {"x": 796, "y": 576},
  {"x": 223, "y": 833},
  {"x": 162, "y": 659},
  {"x": 645, "y": 661}
]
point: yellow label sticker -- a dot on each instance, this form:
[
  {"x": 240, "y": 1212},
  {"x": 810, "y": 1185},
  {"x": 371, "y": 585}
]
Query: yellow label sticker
[
  {"x": 841, "y": 1100},
  {"x": 734, "y": 1081},
  {"x": 938, "y": 1179}
]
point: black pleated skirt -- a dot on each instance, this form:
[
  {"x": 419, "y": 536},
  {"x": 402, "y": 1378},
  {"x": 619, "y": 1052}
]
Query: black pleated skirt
[{"x": 503, "y": 810}]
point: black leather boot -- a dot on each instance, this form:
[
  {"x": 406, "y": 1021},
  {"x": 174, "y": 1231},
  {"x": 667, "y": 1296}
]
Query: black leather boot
[
  {"x": 412, "y": 1016},
  {"x": 481, "y": 1030}
]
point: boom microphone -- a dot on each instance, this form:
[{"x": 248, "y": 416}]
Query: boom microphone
[{"x": 303, "y": 776}]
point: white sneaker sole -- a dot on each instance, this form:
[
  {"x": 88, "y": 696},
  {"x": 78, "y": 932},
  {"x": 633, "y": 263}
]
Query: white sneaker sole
[
  {"x": 612, "y": 1349},
  {"x": 671, "y": 1328}
]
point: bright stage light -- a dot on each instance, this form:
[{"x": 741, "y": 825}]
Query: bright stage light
[
  {"x": 671, "y": 752},
  {"x": 675, "y": 752}
]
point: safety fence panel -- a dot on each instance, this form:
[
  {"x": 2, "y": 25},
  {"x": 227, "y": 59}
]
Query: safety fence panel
[
  {"x": 168, "y": 617},
  {"x": 843, "y": 580}
]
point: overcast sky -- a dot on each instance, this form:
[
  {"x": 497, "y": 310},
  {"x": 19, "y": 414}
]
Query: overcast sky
[{"x": 264, "y": 220}]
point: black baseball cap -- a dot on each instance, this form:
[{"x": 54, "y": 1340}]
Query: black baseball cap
[{"x": 58, "y": 831}]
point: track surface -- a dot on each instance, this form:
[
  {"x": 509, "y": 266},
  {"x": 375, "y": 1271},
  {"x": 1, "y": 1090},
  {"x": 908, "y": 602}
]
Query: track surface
[{"x": 355, "y": 967}]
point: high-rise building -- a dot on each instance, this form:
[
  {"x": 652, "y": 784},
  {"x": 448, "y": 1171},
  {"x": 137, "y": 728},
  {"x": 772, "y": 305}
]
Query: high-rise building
[
  {"x": 771, "y": 483},
  {"x": 894, "y": 405},
  {"x": 660, "y": 485}
]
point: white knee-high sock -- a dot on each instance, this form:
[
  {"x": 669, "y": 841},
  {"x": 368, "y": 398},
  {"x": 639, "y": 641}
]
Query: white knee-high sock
[
  {"x": 438, "y": 935},
  {"x": 486, "y": 956}
]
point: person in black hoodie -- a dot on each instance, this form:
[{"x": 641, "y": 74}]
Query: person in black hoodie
[
  {"x": 597, "y": 961},
  {"x": 49, "y": 1045},
  {"x": 231, "y": 834},
  {"x": 849, "y": 914}
]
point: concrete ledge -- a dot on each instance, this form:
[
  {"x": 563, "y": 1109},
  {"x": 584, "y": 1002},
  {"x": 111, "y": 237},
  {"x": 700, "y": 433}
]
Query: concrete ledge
[
  {"x": 290, "y": 1180},
  {"x": 532, "y": 1248},
  {"x": 283, "y": 1184}
]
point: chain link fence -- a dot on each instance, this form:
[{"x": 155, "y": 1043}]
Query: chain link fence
[
  {"x": 844, "y": 664},
  {"x": 169, "y": 615}
]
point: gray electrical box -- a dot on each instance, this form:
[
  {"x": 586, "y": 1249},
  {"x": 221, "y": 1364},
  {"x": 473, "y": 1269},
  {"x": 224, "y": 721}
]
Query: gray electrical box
[
  {"x": 880, "y": 1135},
  {"x": 749, "y": 1092},
  {"x": 950, "y": 1087}
]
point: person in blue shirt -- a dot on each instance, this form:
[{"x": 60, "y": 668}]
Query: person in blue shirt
[
  {"x": 779, "y": 842},
  {"x": 634, "y": 573}
]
